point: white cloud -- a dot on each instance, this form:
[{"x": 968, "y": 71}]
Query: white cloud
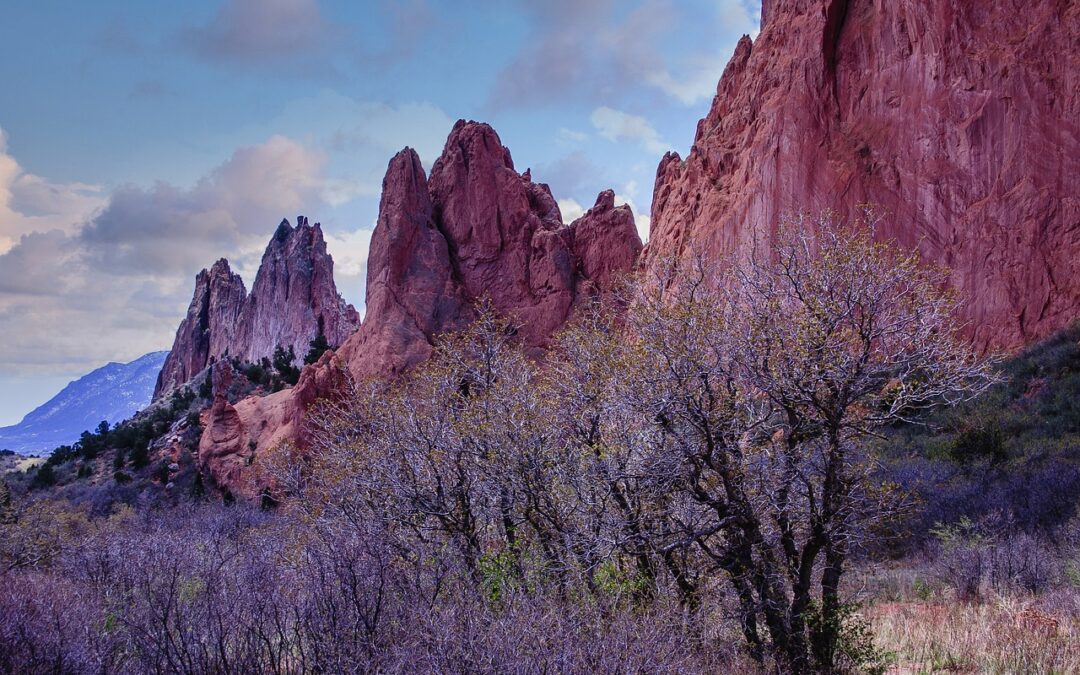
[
  {"x": 644, "y": 224},
  {"x": 30, "y": 203},
  {"x": 616, "y": 125},
  {"x": 569, "y": 138},
  {"x": 641, "y": 220},
  {"x": 571, "y": 209},
  {"x": 166, "y": 229},
  {"x": 350, "y": 253},
  {"x": 699, "y": 85},
  {"x": 696, "y": 74},
  {"x": 603, "y": 51},
  {"x": 78, "y": 290}
]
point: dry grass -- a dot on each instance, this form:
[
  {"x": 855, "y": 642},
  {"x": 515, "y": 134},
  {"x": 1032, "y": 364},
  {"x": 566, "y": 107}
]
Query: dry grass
[
  {"x": 1006, "y": 636},
  {"x": 29, "y": 463},
  {"x": 18, "y": 463}
]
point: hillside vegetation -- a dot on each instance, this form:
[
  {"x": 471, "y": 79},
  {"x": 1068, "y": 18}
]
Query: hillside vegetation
[{"x": 797, "y": 467}]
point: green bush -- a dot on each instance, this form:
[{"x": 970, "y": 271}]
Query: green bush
[
  {"x": 45, "y": 476},
  {"x": 318, "y": 347},
  {"x": 283, "y": 364},
  {"x": 855, "y": 649}
]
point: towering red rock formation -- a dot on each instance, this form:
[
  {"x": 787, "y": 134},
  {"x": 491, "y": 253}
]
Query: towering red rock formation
[
  {"x": 208, "y": 330},
  {"x": 476, "y": 229},
  {"x": 411, "y": 294},
  {"x": 292, "y": 300},
  {"x": 961, "y": 119}
]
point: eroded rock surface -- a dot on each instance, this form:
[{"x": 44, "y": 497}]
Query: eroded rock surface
[
  {"x": 293, "y": 299},
  {"x": 208, "y": 330},
  {"x": 960, "y": 119},
  {"x": 294, "y": 296},
  {"x": 475, "y": 229}
]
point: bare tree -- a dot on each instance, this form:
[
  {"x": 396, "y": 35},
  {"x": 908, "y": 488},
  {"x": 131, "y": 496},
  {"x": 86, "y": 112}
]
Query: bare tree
[{"x": 762, "y": 387}]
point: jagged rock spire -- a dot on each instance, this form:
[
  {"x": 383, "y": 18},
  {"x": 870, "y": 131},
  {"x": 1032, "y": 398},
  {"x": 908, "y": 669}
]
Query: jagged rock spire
[{"x": 293, "y": 298}]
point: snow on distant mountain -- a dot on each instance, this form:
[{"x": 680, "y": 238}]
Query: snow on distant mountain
[{"x": 113, "y": 393}]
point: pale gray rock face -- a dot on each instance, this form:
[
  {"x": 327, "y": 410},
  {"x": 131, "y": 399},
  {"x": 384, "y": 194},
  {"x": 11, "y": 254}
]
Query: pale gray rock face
[{"x": 293, "y": 298}]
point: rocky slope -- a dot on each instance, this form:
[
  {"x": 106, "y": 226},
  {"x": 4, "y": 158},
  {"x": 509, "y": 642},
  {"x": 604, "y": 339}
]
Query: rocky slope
[
  {"x": 293, "y": 298},
  {"x": 960, "y": 119},
  {"x": 474, "y": 229},
  {"x": 111, "y": 393}
]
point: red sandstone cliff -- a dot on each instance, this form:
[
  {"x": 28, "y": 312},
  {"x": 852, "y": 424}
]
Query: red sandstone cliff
[
  {"x": 478, "y": 229},
  {"x": 961, "y": 119},
  {"x": 293, "y": 298},
  {"x": 475, "y": 229}
]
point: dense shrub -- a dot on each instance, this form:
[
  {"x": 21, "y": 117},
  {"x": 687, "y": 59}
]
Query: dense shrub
[
  {"x": 976, "y": 560},
  {"x": 233, "y": 590},
  {"x": 317, "y": 347},
  {"x": 1015, "y": 451},
  {"x": 680, "y": 488}
]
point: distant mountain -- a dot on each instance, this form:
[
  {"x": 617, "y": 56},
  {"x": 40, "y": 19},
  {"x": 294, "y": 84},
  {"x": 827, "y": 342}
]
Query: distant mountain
[{"x": 113, "y": 392}]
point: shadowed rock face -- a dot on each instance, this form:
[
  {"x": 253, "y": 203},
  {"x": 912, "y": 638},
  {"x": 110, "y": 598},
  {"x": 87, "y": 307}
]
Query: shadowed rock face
[
  {"x": 292, "y": 300},
  {"x": 208, "y": 330},
  {"x": 960, "y": 119},
  {"x": 294, "y": 296},
  {"x": 476, "y": 229}
]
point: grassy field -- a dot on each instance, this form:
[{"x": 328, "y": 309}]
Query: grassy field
[
  {"x": 19, "y": 463},
  {"x": 923, "y": 626},
  {"x": 1002, "y": 636}
]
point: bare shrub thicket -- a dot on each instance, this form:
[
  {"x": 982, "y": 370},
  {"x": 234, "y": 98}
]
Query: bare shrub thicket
[
  {"x": 981, "y": 561},
  {"x": 674, "y": 489},
  {"x": 215, "y": 589},
  {"x": 712, "y": 439}
]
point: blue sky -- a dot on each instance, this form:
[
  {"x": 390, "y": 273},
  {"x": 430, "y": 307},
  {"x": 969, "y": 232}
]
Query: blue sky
[{"x": 140, "y": 141}]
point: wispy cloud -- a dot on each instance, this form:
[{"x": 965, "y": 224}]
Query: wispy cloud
[
  {"x": 616, "y": 125},
  {"x": 124, "y": 271},
  {"x": 252, "y": 32},
  {"x": 30, "y": 203},
  {"x": 600, "y": 50},
  {"x": 166, "y": 229}
]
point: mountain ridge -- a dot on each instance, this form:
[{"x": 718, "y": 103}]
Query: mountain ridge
[{"x": 83, "y": 403}]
